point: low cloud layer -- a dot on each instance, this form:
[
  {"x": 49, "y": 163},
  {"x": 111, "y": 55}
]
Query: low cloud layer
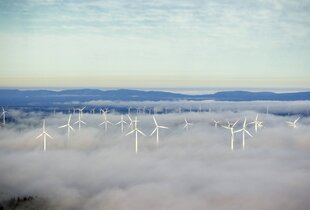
[{"x": 95, "y": 169}]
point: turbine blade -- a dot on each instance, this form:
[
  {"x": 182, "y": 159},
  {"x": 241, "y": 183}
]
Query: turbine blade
[
  {"x": 141, "y": 132},
  {"x": 244, "y": 123},
  {"x": 154, "y": 120},
  {"x": 49, "y": 135},
  {"x": 153, "y": 131},
  {"x": 248, "y": 133},
  {"x": 63, "y": 126},
  {"x": 130, "y": 132},
  {"x": 237, "y": 131},
  {"x": 296, "y": 120},
  {"x": 39, "y": 135},
  {"x": 235, "y": 123},
  {"x": 225, "y": 127}
]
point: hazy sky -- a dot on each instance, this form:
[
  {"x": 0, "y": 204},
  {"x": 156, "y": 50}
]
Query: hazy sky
[{"x": 162, "y": 43}]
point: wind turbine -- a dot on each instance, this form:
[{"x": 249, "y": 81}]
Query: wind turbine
[
  {"x": 130, "y": 121},
  {"x": 157, "y": 129},
  {"x": 92, "y": 111},
  {"x": 136, "y": 131},
  {"x": 44, "y": 133},
  {"x": 68, "y": 126},
  {"x": 105, "y": 122},
  {"x": 232, "y": 132},
  {"x": 293, "y": 124},
  {"x": 257, "y": 123},
  {"x": 216, "y": 123},
  {"x": 129, "y": 108},
  {"x": 81, "y": 110},
  {"x": 79, "y": 121},
  {"x": 244, "y": 131},
  {"x": 3, "y": 114},
  {"x": 187, "y": 124},
  {"x": 122, "y": 122},
  {"x": 143, "y": 110}
]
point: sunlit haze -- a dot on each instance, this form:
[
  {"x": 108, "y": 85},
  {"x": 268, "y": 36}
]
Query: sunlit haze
[{"x": 120, "y": 43}]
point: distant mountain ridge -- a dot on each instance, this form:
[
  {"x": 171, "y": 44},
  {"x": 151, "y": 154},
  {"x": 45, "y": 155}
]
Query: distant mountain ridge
[{"x": 15, "y": 97}]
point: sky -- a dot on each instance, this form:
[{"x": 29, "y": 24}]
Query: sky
[
  {"x": 162, "y": 43},
  {"x": 192, "y": 169}
]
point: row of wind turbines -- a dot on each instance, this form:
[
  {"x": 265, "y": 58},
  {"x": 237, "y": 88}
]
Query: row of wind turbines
[{"x": 133, "y": 124}]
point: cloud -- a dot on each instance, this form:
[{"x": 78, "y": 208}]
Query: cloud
[{"x": 187, "y": 170}]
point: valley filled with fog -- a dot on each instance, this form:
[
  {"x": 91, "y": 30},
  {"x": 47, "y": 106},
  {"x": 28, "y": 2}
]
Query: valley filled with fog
[{"x": 187, "y": 169}]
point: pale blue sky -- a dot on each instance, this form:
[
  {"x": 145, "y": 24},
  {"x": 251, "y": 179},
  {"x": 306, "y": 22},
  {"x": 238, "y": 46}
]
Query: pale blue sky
[{"x": 163, "y": 43}]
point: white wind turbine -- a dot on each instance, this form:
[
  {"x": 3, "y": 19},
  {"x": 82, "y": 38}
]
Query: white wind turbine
[
  {"x": 92, "y": 111},
  {"x": 81, "y": 110},
  {"x": 129, "y": 108},
  {"x": 79, "y": 121},
  {"x": 105, "y": 122},
  {"x": 232, "y": 132},
  {"x": 257, "y": 123},
  {"x": 157, "y": 129},
  {"x": 187, "y": 124},
  {"x": 216, "y": 123},
  {"x": 44, "y": 133},
  {"x": 130, "y": 121},
  {"x": 143, "y": 110},
  {"x": 293, "y": 124},
  {"x": 68, "y": 126},
  {"x": 199, "y": 109},
  {"x": 136, "y": 131},
  {"x": 3, "y": 114},
  {"x": 122, "y": 122},
  {"x": 244, "y": 131}
]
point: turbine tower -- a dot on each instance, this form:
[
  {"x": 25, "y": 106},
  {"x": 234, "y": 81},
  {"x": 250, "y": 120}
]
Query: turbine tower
[
  {"x": 3, "y": 114},
  {"x": 79, "y": 121},
  {"x": 157, "y": 129},
  {"x": 244, "y": 131},
  {"x": 122, "y": 122},
  {"x": 105, "y": 122},
  {"x": 136, "y": 131},
  {"x": 232, "y": 132},
  {"x": 293, "y": 124},
  {"x": 68, "y": 126},
  {"x": 44, "y": 133},
  {"x": 187, "y": 124}
]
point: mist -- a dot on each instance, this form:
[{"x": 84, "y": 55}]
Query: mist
[{"x": 193, "y": 169}]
